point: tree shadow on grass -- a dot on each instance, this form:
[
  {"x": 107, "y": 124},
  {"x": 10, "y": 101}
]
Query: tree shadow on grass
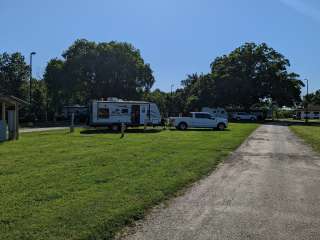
[
  {"x": 200, "y": 130},
  {"x": 292, "y": 123},
  {"x": 128, "y": 131}
]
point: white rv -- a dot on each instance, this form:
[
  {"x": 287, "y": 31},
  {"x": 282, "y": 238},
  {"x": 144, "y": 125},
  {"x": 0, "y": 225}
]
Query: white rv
[
  {"x": 113, "y": 112},
  {"x": 216, "y": 112}
]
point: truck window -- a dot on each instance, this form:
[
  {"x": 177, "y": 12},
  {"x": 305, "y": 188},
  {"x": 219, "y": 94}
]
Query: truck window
[
  {"x": 202, "y": 115},
  {"x": 186, "y": 115}
]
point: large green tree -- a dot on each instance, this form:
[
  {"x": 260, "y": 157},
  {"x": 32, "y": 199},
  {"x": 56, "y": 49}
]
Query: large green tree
[
  {"x": 92, "y": 70},
  {"x": 14, "y": 75},
  {"x": 252, "y": 73},
  {"x": 312, "y": 98},
  {"x": 57, "y": 88},
  {"x": 39, "y": 101},
  {"x": 198, "y": 91}
]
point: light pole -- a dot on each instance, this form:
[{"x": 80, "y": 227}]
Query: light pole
[
  {"x": 171, "y": 100},
  {"x": 30, "y": 81},
  {"x": 307, "y": 100}
]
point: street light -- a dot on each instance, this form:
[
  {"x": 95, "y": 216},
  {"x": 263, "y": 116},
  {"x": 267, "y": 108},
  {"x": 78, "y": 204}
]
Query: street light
[
  {"x": 307, "y": 100},
  {"x": 172, "y": 85},
  {"x": 30, "y": 81},
  {"x": 171, "y": 101}
]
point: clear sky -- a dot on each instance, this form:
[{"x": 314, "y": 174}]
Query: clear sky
[{"x": 176, "y": 37}]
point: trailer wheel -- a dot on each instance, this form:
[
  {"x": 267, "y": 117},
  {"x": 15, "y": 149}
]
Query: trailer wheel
[
  {"x": 221, "y": 126},
  {"x": 115, "y": 128},
  {"x": 183, "y": 126}
]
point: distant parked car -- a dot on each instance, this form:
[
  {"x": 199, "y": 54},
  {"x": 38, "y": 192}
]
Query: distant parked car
[
  {"x": 244, "y": 116},
  {"x": 199, "y": 120}
]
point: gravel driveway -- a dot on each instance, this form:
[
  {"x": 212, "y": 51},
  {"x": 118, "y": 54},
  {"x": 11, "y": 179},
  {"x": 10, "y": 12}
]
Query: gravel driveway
[{"x": 268, "y": 189}]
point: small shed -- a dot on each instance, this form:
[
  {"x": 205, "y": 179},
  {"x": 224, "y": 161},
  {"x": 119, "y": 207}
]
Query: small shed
[{"x": 9, "y": 116}]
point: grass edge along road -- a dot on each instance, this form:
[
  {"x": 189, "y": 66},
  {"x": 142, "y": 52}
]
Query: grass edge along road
[
  {"x": 56, "y": 185},
  {"x": 310, "y": 134}
]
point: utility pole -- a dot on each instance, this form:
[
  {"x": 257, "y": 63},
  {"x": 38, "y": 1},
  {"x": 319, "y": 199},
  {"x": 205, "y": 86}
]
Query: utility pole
[
  {"x": 30, "y": 80},
  {"x": 171, "y": 100},
  {"x": 307, "y": 106}
]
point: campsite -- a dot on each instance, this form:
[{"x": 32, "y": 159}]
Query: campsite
[
  {"x": 87, "y": 185},
  {"x": 159, "y": 120}
]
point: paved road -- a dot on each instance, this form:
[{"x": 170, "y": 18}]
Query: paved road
[{"x": 268, "y": 189}]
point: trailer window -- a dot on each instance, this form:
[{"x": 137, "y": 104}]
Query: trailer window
[
  {"x": 124, "y": 110},
  {"x": 103, "y": 112}
]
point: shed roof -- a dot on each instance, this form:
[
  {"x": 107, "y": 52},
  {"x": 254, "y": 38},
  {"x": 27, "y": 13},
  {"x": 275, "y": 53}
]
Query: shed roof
[{"x": 12, "y": 100}]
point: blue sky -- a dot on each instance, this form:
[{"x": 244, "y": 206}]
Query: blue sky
[{"x": 176, "y": 37}]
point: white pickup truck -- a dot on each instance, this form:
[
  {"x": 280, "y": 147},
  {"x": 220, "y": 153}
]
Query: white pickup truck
[{"x": 199, "y": 120}]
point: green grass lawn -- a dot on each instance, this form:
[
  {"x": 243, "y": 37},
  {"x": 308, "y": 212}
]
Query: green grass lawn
[
  {"x": 311, "y": 134},
  {"x": 56, "y": 185}
]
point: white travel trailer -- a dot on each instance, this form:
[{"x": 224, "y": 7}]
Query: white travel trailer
[
  {"x": 216, "y": 112},
  {"x": 114, "y": 112}
]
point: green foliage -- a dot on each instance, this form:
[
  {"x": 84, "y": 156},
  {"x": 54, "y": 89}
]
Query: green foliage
[
  {"x": 284, "y": 114},
  {"x": 248, "y": 76},
  {"x": 199, "y": 91},
  {"x": 39, "y": 100},
  {"x": 92, "y": 70},
  {"x": 57, "y": 91},
  {"x": 14, "y": 75},
  {"x": 56, "y": 185},
  {"x": 312, "y": 98},
  {"x": 311, "y": 134},
  {"x": 252, "y": 73},
  {"x": 163, "y": 100}
]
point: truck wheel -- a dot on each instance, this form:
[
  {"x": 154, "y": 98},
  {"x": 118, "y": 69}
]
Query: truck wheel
[
  {"x": 115, "y": 128},
  {"x": 221, "y": 126},
  {"x": 253, "y": 119},
  {"x": 183, "y": 126},
  {"x": 238, "y": 119}
]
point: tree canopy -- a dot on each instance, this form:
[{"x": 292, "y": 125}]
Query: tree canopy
[
  {"x": 14, "y": 74},
  {"x": 313, "y": 98},
  {"x": 92, "y": 70},
  {"x": 252, "y": 73}
]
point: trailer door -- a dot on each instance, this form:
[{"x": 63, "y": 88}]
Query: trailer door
[{"x": 135, "y": 114}]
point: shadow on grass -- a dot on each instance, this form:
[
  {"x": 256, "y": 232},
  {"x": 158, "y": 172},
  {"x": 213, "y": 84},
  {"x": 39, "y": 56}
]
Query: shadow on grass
[
  {"x": 128, "y": 131},
  {"x": 246, "y": 121},
  {"x": 198, "y": 130},
  {"x": 292, "y": 123}
]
